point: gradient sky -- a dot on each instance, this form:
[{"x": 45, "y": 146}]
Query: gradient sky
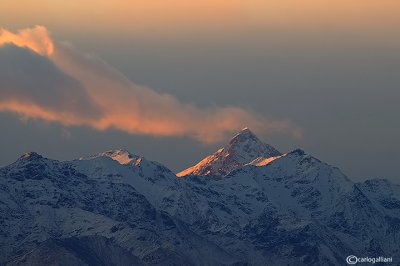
[{"x": 331, "y": 68}]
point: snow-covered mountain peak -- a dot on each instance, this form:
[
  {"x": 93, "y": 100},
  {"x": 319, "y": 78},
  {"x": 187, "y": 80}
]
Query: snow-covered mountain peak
[
  {"x": 31, "y": 156},
  {"x": 246, "y": 146},
  {"x": 242, "y": 149},
  {"x": 245, "y": 131},
  {"x": 122, "y": 156},
  {"x": 121, "y": 163},
  {"x": 244, "y": 135}
]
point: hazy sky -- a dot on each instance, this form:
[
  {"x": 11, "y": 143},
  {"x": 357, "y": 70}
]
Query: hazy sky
[{"x": 159, "y": 76}]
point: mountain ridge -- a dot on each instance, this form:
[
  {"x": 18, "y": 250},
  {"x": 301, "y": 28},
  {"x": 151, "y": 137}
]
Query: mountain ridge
[{"x": 287, "y": 209}]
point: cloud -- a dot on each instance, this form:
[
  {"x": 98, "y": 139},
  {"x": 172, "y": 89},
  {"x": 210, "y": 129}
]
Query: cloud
[
  {"x": 36, "y": 38},
  {"x": 34, "y": 86},
  {"x": 73, "y": 88}
]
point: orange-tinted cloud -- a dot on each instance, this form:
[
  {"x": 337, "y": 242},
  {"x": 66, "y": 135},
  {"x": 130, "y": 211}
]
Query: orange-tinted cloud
[
  {"x": 36, "y": 39},
  {"x": 107, "y": 99}
]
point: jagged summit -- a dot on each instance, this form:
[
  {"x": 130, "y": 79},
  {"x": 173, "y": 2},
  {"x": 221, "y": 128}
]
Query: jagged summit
[
  {"x": 246, "y": 144},
  {"x": 243, "y": 135},
  {"x": 242, "y": 149},
  {"x": 244, "y": 132},
  {"x": 30, "y": 156}
]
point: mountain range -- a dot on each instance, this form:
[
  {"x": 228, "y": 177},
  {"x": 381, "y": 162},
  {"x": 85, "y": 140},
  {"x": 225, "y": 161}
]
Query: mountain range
[{"x": 246, "y": 204}]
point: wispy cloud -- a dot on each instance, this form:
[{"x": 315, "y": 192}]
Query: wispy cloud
[{"x": 55, "y": 82}]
